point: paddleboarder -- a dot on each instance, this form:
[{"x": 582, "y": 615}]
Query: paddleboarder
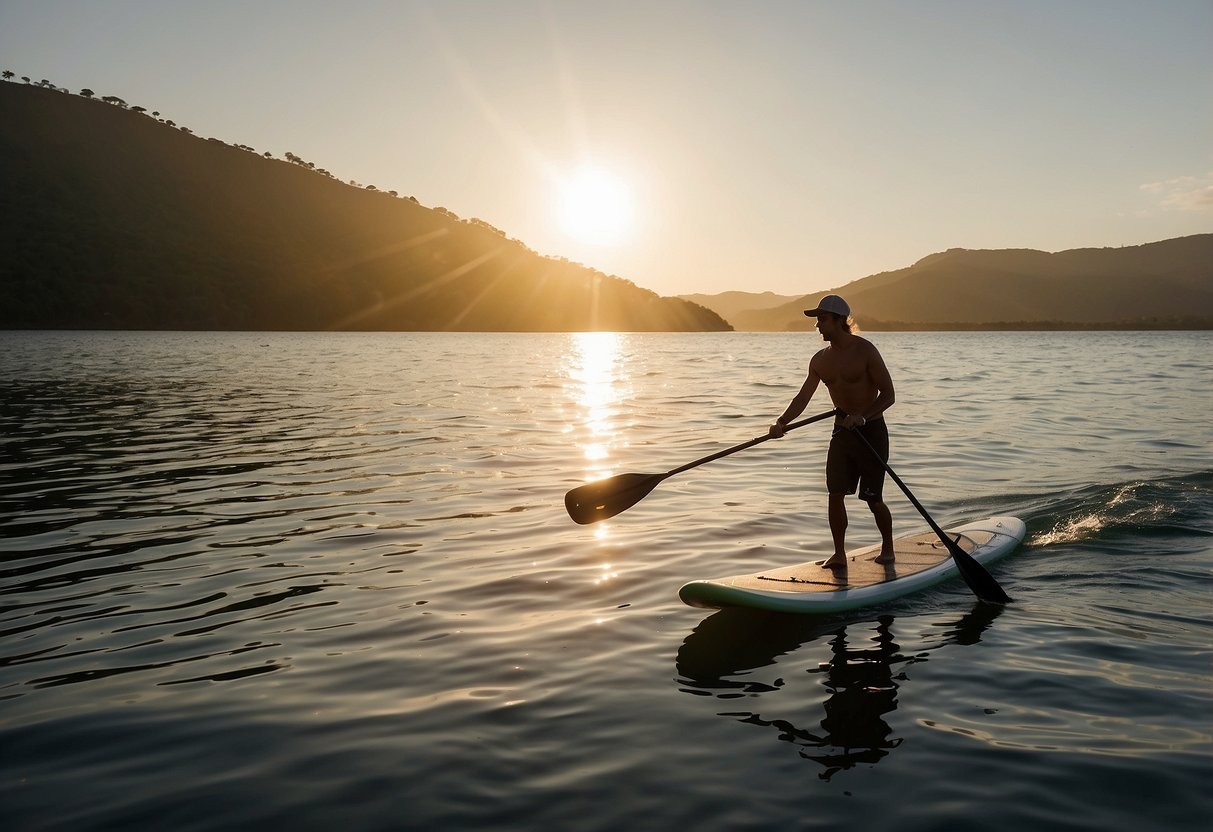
[{"x": 862, "y": 390}]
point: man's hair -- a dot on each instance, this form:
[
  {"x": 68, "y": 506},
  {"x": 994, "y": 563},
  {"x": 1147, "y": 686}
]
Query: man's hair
[{"x": 847, "y": 322}]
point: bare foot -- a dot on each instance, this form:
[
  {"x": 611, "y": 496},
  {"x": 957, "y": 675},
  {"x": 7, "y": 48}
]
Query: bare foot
[
  {"x": 885, "y": 557},
  {"x": 835, "y": 562}
]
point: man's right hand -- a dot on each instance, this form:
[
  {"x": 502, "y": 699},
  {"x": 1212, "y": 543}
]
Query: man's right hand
[{"x": 777, "y": 431}]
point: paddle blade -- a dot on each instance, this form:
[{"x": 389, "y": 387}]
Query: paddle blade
[
  {"x": 975, "y": 575},
  {"x": 599, "y": 500}
]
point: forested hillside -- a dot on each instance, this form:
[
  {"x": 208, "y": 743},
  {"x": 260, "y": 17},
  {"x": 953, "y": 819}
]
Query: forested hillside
[{"x": 111, "y": 217}]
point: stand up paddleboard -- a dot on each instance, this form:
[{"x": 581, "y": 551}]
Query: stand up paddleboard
[{"x": 922, "y": 561}]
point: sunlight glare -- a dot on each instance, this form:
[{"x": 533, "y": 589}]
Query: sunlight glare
[
  {"x": 598, "y": 383},
  {"x": 596, "y": 452},
  {"x": 595, "y": 372},
  {"x": 595, "y": 207},
  {"x": 597, "y": 353}
]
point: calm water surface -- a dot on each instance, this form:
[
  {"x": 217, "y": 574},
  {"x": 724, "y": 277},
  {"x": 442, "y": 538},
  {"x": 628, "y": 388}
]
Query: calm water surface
[{"x": 327, "y": 580}]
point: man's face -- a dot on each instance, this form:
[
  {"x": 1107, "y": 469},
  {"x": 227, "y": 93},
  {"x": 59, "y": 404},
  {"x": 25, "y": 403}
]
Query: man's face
[{"x": 827, "y": 325}]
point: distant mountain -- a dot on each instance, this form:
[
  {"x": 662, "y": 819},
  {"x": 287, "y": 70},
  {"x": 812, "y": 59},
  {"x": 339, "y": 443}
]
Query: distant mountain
[
  {"x": 730, "y": 304},
  {"x": 1168, "y": 284},
  {"x": 113, "y": 218}
]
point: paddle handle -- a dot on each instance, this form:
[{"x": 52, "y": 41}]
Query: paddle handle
[{"x": 756, "y": 440}]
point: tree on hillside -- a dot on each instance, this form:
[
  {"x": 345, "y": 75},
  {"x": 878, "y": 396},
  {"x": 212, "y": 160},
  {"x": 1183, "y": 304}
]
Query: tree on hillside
[
  {"x": 87, "y": 93},
  {"x": 8, "y": 75}
]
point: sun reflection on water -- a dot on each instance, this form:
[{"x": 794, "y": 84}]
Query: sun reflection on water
[
  {"x": 607, "y": 572},
  {"x": 598, "y": 382}
]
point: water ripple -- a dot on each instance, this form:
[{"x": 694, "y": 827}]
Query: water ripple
[{"x": 312, "y": 578}]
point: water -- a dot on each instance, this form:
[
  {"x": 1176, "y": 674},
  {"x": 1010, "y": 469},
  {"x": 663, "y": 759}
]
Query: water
[{"x": 327, "y": 580}]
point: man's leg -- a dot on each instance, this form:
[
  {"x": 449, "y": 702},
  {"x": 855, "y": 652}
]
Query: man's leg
[
  {"x": 884, "y": 523},
  {"x": 838, "y": 530}
]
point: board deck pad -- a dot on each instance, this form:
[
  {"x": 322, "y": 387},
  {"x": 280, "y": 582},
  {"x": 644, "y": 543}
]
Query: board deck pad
[{"x": 914, "y": 554}]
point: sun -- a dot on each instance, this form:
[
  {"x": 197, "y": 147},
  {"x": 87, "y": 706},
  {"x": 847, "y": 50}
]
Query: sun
[{"x": 595, "y": 207}]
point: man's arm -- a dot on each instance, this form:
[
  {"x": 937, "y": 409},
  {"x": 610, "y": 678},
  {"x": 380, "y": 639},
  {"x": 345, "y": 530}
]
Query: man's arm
[
  {"x": 799, "y": 402},
  {"x": 886, "y": 395}
]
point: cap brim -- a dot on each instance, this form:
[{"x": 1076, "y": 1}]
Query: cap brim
[{"x": 813, "y": 313}]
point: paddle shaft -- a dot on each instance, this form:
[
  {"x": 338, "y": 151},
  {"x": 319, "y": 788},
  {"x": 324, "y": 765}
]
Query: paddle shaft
[
  {"x": 905, "y": 488},
  {"x": 975, "y": 575},
  {"x": 599, "y": 500},
  {"x": 749, "y": 444}
]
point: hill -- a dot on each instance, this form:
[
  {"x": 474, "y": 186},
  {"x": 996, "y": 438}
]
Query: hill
[
  {"x": 113, "y": 218},
  {"x": 730, "y": 304},
  {"x": 1167, "y": 284}
]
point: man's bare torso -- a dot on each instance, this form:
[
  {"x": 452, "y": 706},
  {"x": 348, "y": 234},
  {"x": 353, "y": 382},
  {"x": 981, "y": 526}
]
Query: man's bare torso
[{"x": 849, "y": 374}]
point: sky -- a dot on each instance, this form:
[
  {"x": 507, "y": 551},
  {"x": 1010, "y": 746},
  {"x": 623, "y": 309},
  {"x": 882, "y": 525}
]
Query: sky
[{"x": 694, "y": 146}]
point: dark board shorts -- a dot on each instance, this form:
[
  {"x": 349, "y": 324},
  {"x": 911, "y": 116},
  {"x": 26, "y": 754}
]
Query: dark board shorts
[{"x": 849, "y": 463}]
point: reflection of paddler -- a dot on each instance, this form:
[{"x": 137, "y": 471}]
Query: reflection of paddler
[
  {"x": 862, "y": 690},
  {"x": 719, "y": 656}
]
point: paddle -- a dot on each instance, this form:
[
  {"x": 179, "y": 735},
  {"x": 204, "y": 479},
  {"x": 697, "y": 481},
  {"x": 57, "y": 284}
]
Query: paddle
[
  {"x": 975, "y": 575},
  {"x": 599, "y": 500}
]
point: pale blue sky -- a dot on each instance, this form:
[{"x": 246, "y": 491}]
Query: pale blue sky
[{"x": 790, "y": 146}]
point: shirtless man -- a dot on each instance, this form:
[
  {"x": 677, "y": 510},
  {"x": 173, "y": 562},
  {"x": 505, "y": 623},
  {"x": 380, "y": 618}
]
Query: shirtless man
[{"x": 862, "y": 391}]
